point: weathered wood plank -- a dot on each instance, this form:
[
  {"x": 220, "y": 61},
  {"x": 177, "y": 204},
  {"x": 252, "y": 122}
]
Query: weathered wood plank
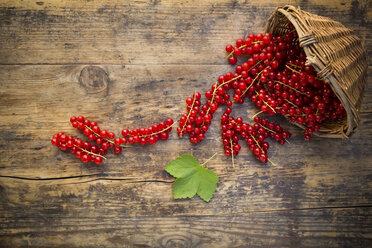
[
  {"x": 151, "y": 55},
  {"x": 240, "y": 191},
  {"x": 306, "y": 228},
  {"x": 145, "y": 32}
]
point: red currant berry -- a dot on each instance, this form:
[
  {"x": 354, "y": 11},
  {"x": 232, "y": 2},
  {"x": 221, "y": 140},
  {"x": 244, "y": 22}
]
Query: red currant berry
[
  {"x": 54, "y": 141},
  {"x": 152, "y": 140},
  {"x": 80, "y": 118},
  {"x": 103, "y": 133},
  {"x": 229, "y": 48},
  {"x": 85, "y": 158},
  {"x": 117, "y": 149},
  {"x": 111, "y": 135},
  {"x": 98, "y": 160},
  {"x": 124, "y": 132},
  {"x": 118, "y": 141},
  {"x": 233, "y": 60}
]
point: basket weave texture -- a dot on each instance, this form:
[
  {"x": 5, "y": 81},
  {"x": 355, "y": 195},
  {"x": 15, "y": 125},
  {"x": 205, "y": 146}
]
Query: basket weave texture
[{"x": 337, "y": 55}]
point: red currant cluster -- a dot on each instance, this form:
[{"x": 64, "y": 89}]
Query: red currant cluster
[
  {"x": 254, "y": 135},
  {"x": 102, "y": 137},
  {"x": 277, "y": 79},
  {"x": 252, "y": 45},
  {"x": 196, "y": 121},
  {"x": 106, "y": 140},
  {"x": 83, "y": 150},
  {"x": 271, "y": 129},
  {"x": 150, "y": 134}
]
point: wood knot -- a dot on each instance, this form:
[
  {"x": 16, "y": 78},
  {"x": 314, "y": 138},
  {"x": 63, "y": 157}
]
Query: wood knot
[
  {"x": 94, "y": 79},
  {"x": 175, "y": 241}
]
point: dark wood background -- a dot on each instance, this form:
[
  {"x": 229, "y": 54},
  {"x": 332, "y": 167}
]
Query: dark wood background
[{"x": 147, "y": 57}]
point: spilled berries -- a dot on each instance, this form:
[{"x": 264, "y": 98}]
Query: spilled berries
[
  {"x": 274, "y": 76},
  {"x": 106, "y": 140}
]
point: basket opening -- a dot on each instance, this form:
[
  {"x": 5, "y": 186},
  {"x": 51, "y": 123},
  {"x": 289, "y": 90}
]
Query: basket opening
[{"x": 279, "y": 26}]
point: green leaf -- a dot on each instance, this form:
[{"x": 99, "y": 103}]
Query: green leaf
[{"x": 191, "y": 178}]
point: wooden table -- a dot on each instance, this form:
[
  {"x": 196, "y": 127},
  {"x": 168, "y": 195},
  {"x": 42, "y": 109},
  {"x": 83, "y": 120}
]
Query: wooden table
[{"x": 127, "y": 64}]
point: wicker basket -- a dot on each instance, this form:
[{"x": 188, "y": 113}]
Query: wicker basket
[{"x": 336, "y": 53}]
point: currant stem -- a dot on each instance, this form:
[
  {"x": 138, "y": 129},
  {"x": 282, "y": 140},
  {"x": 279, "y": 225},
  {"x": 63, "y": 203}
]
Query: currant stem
[
  {"x": 297, "y": 67},
  {"x": 297, "y": 71},
  {"x": 209, "y": 159},
  {"x": 301, "y": 115},
  {"x": 268, "y": 129},
  {"x": 290, "y": 87},
  {"x": 188, "y": 116},
  {"x": 253, "y": 81},
  {"x": 146, "y": 135},
  {"x": 294, "y": 65},
  {"x": 217, "y": 87},
  {"x": 90, "y": 152},
  {"x": 292, "y": 69},
  {"x": 255, "y": 65},
  {"x": 228, "y": 56},
  {"x": 108, "y": 140},
  {"x": 267, "y": 104},
  {"x": 212, "y": 100},
  {"x": 232, "y": 152},
  {"x": 271, "y": 162},
  {"x": 260, "y": 112},
  {"x": 288, "y": 101},
  {"x": 258, "y": 144}
]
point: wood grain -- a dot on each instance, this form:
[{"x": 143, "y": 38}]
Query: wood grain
[
  {"x": 144, "y": 32},
  {"x": 304, "y": 228},
  {"x": 131, "y": 64}
]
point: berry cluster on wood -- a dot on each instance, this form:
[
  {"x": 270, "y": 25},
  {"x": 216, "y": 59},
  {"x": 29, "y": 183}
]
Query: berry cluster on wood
[
  {"x": 150, "y": 134},
  {"x": 106, "y": 140},
  {"x": 277, "y": 80},
  {"x": 83, "y": 150}
]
